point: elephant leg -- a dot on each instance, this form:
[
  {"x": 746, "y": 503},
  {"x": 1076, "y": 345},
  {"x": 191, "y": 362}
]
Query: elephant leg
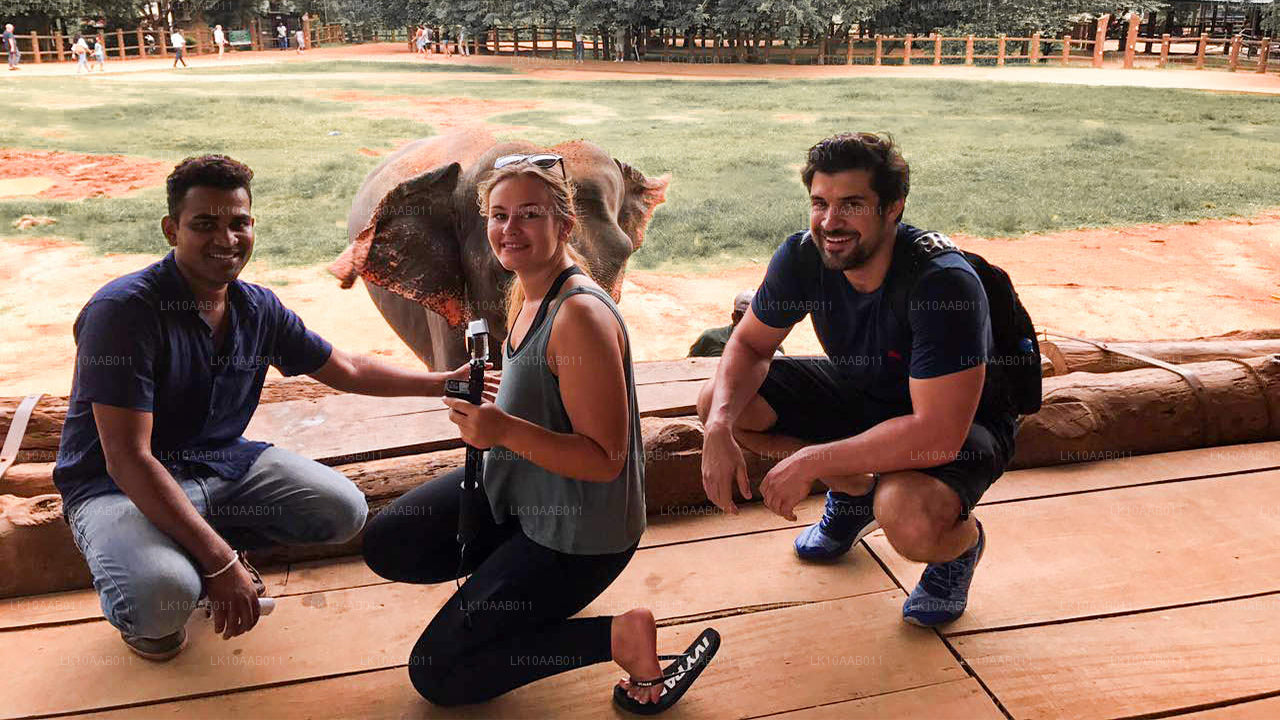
[{"x": 424, "y": 331}]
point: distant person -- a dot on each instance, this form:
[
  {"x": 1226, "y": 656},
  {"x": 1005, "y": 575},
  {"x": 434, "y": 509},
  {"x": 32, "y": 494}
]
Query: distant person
[
  {"x": 179, "y": 44},
  {"x": 219, "y": 40},
  {"x": 619, "y": 40},
  {"x": 158, "y": 483},
  {"x": 99, "y": 55},
  {"x": 420, "y": 41},
  {"x": 579, "y": 48},
  {"x": 462, "y": 41},
  {"x": 300, "y": 38},
  {"x": 711, "y": 342},
  {"x": 150, "y": 41},
  {"x": 282, "y": 36},
  {"x": 80, "y": 49},
  {"x": 11, "y": 46},
  {"x": 429, "y": 41}
]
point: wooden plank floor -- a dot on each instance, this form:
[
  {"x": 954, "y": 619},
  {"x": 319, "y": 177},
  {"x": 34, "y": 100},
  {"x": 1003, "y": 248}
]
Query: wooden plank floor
[{"x": 1123, "y": 588}]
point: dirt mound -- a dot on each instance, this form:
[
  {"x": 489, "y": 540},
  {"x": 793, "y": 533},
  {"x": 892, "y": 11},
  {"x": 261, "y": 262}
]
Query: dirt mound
[
  {"x": 54, "y": 175},
  {"x": 446, "y": 113}
]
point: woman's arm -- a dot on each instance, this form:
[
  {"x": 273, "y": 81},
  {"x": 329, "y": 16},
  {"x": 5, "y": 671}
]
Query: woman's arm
[{"x": 586, "y": 352}]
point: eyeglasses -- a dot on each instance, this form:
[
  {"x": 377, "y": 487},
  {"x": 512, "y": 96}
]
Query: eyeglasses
[{"x": 543, "y": 160}]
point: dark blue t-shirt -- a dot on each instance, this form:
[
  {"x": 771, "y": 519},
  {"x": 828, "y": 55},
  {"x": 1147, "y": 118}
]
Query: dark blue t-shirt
[
  {"x": 141, "y": 344},
  {"x": 949, "y": 325}
]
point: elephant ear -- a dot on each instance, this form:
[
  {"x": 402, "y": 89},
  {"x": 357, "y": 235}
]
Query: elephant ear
[
  {"x": 410, "y": 245},
  {"x": 641, "y": 196}
]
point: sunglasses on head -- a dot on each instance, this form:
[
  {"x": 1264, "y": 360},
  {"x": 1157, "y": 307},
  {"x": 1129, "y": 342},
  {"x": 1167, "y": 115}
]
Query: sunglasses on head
[{"x": 543, "y": 160}]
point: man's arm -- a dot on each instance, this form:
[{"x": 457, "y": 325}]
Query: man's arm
[
  {"x": 742, "y": 369},
  {"x": 739, "y": 375},
  {"x": 365, "y": 375},
  {"x": 125, "y": 435}
]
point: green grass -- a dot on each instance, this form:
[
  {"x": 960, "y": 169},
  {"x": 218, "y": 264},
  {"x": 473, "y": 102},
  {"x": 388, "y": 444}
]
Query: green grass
[{"x": 991, "y": 159}]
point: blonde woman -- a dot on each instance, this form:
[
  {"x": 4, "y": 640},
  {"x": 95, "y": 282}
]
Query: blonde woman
[{"x": 564, "y": 482}]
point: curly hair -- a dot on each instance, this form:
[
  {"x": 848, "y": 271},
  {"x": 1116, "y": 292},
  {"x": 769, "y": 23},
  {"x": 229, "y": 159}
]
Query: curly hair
[
  {"x": 890, "y": 174},
  {"x": 218, "y": 171}
]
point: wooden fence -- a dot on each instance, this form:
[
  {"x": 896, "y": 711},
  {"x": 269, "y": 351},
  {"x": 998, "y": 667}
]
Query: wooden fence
[
  {"x": 669, "y": 45},
  {"x": 708, "y": 46},
  {"x": 121, "y": 44}
]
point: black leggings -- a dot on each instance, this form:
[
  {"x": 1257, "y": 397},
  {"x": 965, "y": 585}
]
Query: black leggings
[{"x": 520, "y": 596}]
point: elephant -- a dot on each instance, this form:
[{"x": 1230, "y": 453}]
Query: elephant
[{"x": 419, "y": 243}]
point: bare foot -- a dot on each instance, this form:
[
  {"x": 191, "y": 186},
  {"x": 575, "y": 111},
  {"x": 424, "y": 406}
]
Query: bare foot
[{"x": 635, "y": 649}]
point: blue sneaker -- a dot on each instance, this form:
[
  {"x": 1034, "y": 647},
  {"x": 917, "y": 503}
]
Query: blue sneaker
[
  {"x": 845, "y": 520},
  {"x": 943, "y": 591}
]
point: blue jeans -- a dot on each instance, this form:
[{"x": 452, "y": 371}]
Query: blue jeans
[{"x": 148, "y": 584}]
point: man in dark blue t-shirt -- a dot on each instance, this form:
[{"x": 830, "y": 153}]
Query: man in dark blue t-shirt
[
  {"x": 158, "y": 483},
  {"x": 893, "y": 419}
]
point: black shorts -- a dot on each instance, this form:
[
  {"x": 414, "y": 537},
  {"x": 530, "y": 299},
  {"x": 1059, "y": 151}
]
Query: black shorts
[{"x": 814, "y": 402}]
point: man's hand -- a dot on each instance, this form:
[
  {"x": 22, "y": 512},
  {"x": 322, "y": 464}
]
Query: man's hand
[
  {"x": 491, "y": 378},
  {"x": 482, "y": 426},
  {"x": 234, "y": 600},
  {"x": 789, "y": 482},
  {"x": 722, "y": 463}
]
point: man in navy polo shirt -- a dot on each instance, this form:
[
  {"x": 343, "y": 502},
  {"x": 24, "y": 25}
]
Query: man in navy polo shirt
[
  {"x": 893, "y": 419},
  {"x": 158, "y": 483}
]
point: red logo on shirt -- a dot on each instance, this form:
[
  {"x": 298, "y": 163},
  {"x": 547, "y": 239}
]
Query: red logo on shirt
[{"x": 894, "y": 354}]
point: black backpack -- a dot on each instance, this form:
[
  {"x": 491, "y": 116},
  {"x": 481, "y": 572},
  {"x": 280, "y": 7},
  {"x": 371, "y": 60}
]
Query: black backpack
[{"x": 1013, "y": 371}]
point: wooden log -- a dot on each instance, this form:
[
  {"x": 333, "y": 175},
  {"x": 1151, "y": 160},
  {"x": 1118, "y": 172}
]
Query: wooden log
[
  {"x": 1132, "y": 21},
  {"x": 1092, "y": 416},
  {"x": 1100, "y": 40},
  {"x": 1060, "y": 357},
  {"x": 36, "y": 549}
]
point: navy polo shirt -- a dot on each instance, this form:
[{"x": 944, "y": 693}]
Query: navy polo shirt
[
  {"x": 141, "y": 344},
  {"x": 948, "y": 325}
]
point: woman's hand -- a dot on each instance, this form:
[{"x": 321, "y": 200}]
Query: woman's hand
[{"x": 482, "y": 426}]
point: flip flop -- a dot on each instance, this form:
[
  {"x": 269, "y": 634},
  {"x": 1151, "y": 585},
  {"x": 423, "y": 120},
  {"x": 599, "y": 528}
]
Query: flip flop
[{"x": 676, "y": 678}]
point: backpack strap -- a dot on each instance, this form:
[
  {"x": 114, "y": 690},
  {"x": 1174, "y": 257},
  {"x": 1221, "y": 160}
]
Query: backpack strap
[{"x": 908, "y": 262}]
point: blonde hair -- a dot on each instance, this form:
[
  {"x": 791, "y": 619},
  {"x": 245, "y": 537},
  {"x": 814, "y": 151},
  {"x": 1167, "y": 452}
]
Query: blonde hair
[{"x": 562, "y": 199}]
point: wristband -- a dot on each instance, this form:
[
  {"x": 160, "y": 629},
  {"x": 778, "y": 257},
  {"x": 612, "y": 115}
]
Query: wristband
[{"x": 235, "y": 558}]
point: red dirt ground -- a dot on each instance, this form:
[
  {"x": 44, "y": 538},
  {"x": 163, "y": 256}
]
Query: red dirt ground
[{"x": 77, "y": 175}]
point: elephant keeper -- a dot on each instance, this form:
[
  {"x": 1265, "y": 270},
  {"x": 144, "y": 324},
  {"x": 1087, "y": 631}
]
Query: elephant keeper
[
  {"x": 893, "y": 419},
  {"x": 159, "y": 485}
]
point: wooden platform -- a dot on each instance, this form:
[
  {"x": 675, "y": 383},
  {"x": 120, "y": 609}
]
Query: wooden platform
[{"x": 1136, "y": 587}]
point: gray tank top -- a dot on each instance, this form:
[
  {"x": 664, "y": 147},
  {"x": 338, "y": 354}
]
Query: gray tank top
[{"x": 573, "y": 516}]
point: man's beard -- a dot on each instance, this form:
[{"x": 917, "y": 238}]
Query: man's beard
[{"x": 858, "y": 254}]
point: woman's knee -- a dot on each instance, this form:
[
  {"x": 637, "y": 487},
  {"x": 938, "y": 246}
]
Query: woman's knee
[
  {"x": 435, "y": 683},
  {"x": 393, "y": 551}
]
